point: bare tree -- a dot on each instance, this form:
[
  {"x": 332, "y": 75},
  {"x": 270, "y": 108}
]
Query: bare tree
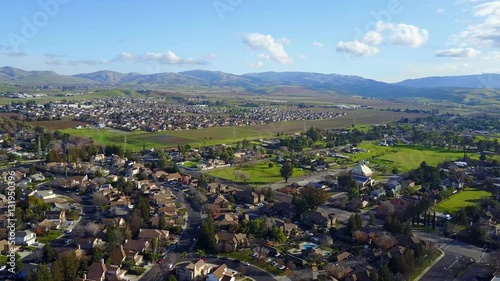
[
  {"x": 386, "y": 209},
  {"x": 335, "y": 271},
  {"x": 385, "y": 241},
  {"x": 91, "y": 229},
  {"x": 360, "y": 236},
  {"x": 99, "y": 200}
]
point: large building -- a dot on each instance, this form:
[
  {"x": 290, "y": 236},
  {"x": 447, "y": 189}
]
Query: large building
[{"x": 362, "y": 170}]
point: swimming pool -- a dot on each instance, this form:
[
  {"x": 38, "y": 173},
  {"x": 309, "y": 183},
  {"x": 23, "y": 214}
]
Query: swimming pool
[{"x": 306, "y": 246}]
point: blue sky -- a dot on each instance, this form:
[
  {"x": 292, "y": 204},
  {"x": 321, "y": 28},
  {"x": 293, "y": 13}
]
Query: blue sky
[{"x": 387, "y": 40}]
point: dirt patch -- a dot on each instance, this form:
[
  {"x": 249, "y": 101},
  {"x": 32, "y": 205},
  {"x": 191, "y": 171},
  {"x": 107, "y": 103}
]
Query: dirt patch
[{"x": 58, "y": 124}]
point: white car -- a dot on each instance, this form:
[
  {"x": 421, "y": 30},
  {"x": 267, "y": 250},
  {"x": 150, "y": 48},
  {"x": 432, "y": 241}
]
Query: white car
[{"x": 246, "y": 263}]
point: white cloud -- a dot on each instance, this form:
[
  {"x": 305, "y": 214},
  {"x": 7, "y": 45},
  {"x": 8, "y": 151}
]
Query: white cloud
[
  {"x": 356, "y": 48},
  {"x": 458, "y": 53},
  {"x": 317, "y": 44},
  {"x": 402, "y": 34},
  {"x": 440, "y": 11},
  {"x": 485, "y": 33},
  {"x": 167, "y": 58},
  {"x": 302, "y": 56},
  {"x": 385, "y": 33},
  {"x": 258, "y": 64},
  {"x": 273, "y": 47}
]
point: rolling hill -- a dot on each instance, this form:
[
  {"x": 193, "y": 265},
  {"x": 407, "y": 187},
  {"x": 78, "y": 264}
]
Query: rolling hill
[{"x": 455, "y": 88}]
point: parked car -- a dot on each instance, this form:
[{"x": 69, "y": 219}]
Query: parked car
[{"x": 246, "y": 263}]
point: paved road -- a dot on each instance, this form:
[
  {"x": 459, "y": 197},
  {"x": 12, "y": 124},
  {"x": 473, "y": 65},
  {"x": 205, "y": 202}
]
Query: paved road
[
  {"x": 446, "y": 269},
  {"x": 454, "y": 247}
]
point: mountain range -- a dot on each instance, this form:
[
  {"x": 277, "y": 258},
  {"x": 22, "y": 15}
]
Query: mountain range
[{"x": 254, "y": 82}]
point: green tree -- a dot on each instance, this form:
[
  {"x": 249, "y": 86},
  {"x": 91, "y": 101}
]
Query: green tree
[
  {"x": 278, "y": 235},
  {"x": 201, "y": 253},
  {"x": 310, "y": 198},
  {"x": 48, "y": 253},
  {"x": 162, "y": 224},
  {"x": 286, "y": 171},
  {"x": 171, "y": 277},
  {"x": 43, "y": 273},
  {"x": 372, "y": 219}
]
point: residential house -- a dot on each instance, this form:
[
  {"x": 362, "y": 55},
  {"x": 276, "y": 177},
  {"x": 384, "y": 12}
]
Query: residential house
[
  {"x": 133, "y": 248},
  {"x": 37, "y": 177},
  {"x": 120, "y": 222},
  {"x": 377, "y": 194},
  {"x": 174, "y": 177},
  {"x": 97, "y": 271},
  {"x": 394, "y": 187},
  {"x": 5, "y": 246},
  {"x": 192, "y": 271},
  {"x": 48, "y": 225},
  {"x": 117, "y": 255},
  {"x": 285, "y": 209},
  {"x": 44, "y": 194},
  {"x": 286, "y": 227},
  {"x": 220, "y": 274},
  {"x": 316, "y": 219},
  {"x": 410, "y": 242},
  {"x": 226, "y": 221},
  {"x": 249, "y": 197},
  {"x": 26, "y": 238},
  {"x": 229, "y": 242},
  {"x": 150, "y": 234},
  {"x": 89, "y": 243},
  {"x": 343, "y": 256},
  {"x": 56, "y": 215}
]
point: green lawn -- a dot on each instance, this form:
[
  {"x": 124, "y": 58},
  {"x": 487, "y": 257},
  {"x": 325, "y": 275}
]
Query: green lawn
[
  {"x": 258, "y": 173},
  {"x": 404, "y": 157},
  {"x": 468, "y": 196},
  {"x": 245, "y": 255},
  {"x": 52, "y": 236},
  {"x": 3, "y": 259}
]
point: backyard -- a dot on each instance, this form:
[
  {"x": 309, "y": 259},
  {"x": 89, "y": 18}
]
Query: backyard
[{"x": 468, "y": 196}]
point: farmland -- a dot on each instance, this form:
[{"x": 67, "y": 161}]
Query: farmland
[
  {"x": 58, "y": 124},
  {"x": 219, "y": 135},
  {"x": 468, "y": 196},
  {"x": 259, "y": 173}
]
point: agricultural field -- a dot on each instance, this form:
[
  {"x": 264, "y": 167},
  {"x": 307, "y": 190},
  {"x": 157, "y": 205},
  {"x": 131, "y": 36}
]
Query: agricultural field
[
  {"x": 257, "y": 173},
  {"x": 227, "y": 135},
  {"x": 468, "y": 196},
  {"x": 404, "y": 157}
]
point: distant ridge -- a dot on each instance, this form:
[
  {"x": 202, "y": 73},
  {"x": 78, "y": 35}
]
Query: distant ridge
[{"x": 258, "y": 83}]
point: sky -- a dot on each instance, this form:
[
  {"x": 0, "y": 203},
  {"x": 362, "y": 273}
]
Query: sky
[{"x": 386, "y": 40}]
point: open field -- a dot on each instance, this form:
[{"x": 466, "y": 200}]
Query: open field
[
  {"x": 468, "y": 196},
  {"x": 58, "y": 124},
  {"x": 257, "y": 173},
  {"x": 219, "y": 135},
  {"x": 405, "y": 157},
  {"x": 91, "y": 95}
]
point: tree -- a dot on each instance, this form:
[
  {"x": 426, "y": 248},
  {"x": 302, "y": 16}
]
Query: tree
[
  {"x": 200, "y": 253},
  {"x": 48, "y": 253},
  {"x": 43, "y": 273},
  {"x": 385, "y": 241},
  {"x": 278, "y": 235},
  {"x": 286, "y": 171},
  {"x": 171, "y": 277},
  {"x": 372, "y": 219},
  {"x": 162, "y": 224},
  {"x": 310, "y": 198},
  {"x": 66, "y": 266},
  {"x": 346, "y": 181}
]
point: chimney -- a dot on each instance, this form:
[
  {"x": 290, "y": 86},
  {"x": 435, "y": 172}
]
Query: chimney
[
  {"x": 85, "y": 276},
  {"x": 102, "y": 262},
  {"x": 79, "y": 248},
  {"x": 126, "y": 240}
]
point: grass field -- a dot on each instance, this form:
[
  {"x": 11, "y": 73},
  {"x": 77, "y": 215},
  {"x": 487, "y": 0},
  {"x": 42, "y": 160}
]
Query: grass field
[
  {"x": 219, "y": 135},
  {"x": 404, "y": 157},
  {"x": 257, "y": 174},
  {"x": 3, "y": 260},
  {"x": 468, "y": 196}
]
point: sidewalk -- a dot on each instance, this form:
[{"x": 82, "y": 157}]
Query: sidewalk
[{"x": 430, "y": 266}]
